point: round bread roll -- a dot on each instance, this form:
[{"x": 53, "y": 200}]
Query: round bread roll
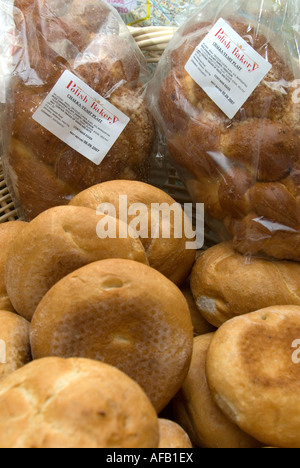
[
  {"x": 195, "y": 410},
  {"x": 201, "y": 326},
  {"x": 166, "y": 251},
  {"x": 14, "y": 342},
  {"x": 54, "y": 244},
  {"x": 123, "y": 313},
  {"x": 172, "y": 435},
  {"x": 253, "y": 372},
  {"x": 245, "y": 169},
  {"x": 226, "y": 284},
  {"x": 90, "y": 40},
  {"x": 8, "y": 233},
  {"x": 74, "y": 403}
]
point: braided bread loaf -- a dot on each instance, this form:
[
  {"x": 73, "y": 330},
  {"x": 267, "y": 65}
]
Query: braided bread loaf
[
  {"x": 86, "y": 38},
  {"x": 246, "y": 170}
]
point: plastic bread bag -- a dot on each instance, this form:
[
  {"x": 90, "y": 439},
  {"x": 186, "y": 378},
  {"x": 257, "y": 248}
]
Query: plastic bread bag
[
  {"x": 226, "y": 97},
  {"x": 76, "y": 109}
]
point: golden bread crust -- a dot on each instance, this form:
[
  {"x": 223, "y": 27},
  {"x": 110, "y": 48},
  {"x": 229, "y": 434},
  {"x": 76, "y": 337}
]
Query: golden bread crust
[
  {"x": 74, "y": 403},
  {"x": 253, "y": 377},
  {"x": 172, "y": 435},
  {"x": 123, "y": 313},
  {"x": 167, "y": 255},
  {"x": 225, "y": 284},
  {"x": 57, "y": 242}
]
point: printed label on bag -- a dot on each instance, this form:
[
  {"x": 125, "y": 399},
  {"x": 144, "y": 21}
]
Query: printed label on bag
[
  {"x": 80, "y": 117},
  {"x": 227, "y": 68}
]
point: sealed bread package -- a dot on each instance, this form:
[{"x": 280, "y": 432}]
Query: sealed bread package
[
  {"x": 77, "y": 114},
  {"x": 226, "y": 95}
]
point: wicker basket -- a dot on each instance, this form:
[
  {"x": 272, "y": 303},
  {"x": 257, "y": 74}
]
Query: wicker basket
[{"x": 152, "y": 41}]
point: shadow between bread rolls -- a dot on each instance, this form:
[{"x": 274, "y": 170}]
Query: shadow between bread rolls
[{"x": 123, "y": 313}]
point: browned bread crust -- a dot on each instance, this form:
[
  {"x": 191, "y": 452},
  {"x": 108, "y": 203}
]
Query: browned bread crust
[{"x": 74, "y": 403}]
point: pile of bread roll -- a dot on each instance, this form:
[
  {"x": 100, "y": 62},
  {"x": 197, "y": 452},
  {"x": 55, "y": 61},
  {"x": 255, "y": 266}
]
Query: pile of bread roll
[
  {"x": 133, "y": 343},
  {"x": 96, "y": 337}
]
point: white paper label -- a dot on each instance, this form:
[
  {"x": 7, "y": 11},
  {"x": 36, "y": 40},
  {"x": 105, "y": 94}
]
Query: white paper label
[
  {"x": 227, "y": 68},
  {"x": 81, "y": 118}
]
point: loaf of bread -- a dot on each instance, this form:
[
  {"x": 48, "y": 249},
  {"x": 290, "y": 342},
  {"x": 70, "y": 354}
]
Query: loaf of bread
[
  {"x": 8, "y": 233},
  {"x": 167, "y": 251},
  {"x": 89, "y": 39},
  {"x": 171, "y": 435},
  {"x": 195, "y": 410},
  {"x": 246, "y": 169},
  {"x": 253, "y": 373},
  {"x": 226, "y": 284},
  {"x": 123, "y": 313},
  {"x": 74, "y": 403},
  {"x": 14, "y": 343},
  {"x": 57, "y": 242}
]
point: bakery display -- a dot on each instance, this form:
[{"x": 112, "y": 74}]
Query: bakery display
[
  {"x": 15, "y": 349},
  {"x": 254, "y": 377},
  {"x": 244, "y": 169},
  {"x": 8, "y": 233},
  {"x": 166, "y": 250},
  {"x": 90, "y": 40},
  {"x": 226, "y": 284},
  {"x": 171, "y": 435},
  {"x": 112, "y": 334},
  {"x": 74, "y": 403},
  {"x": 57, "y": 242},
  {"x": 195, "y": 410},
  {"x": 124, "y": 313}
]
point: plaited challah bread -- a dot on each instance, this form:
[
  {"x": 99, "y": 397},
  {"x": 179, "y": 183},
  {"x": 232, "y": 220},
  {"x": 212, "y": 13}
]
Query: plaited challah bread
[
  {"x": 86, "y": 39},
  {"x": 245, "y": 170}
]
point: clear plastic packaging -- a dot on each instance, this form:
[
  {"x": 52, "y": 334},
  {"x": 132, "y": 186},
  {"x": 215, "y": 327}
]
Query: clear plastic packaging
[
  {"x": 90, "y": 40},
  {"x": 246, "y": 168}
]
